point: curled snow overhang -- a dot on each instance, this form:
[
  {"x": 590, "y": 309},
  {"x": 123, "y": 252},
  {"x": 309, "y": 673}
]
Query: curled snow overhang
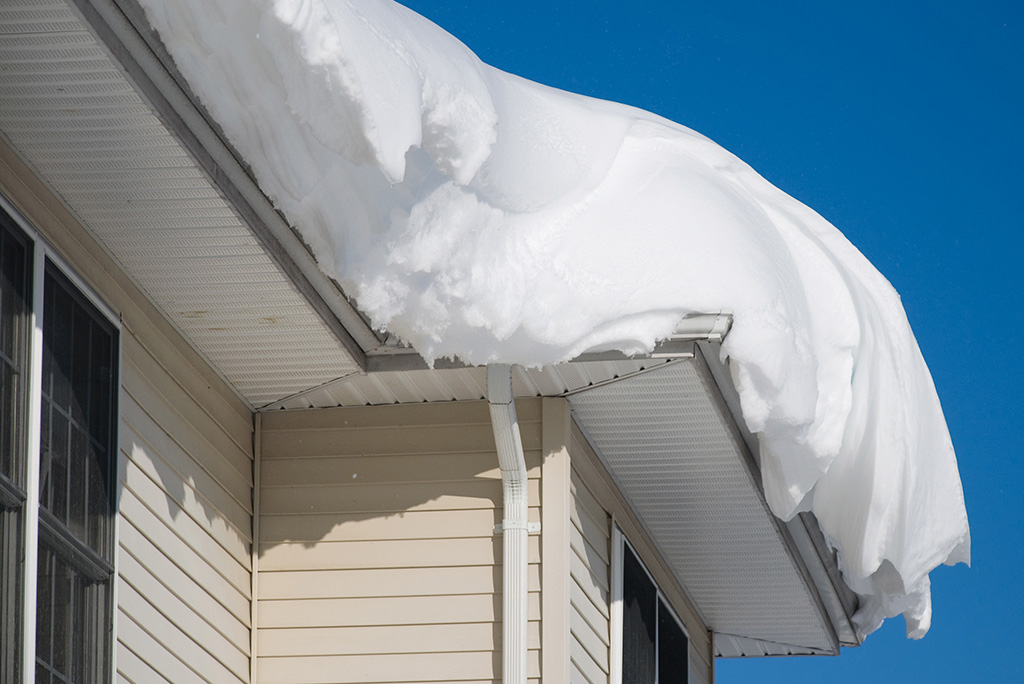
[
  {"x": 480, "y": 216},
  {"x": 829, "y": 377}
]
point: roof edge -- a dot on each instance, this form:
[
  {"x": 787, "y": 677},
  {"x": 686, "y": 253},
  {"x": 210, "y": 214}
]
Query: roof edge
[
  {"x": 122, "y": 27},
  {"x": 802, "y": 533}
]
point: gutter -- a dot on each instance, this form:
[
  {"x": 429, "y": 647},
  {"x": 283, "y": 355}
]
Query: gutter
[{"x": 515, "y": 527}]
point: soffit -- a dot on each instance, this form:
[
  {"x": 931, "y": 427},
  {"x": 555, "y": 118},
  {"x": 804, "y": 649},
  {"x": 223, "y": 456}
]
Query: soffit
[
  {"x": 671, "y": 445},
  {"x": 72, "y": 114}
]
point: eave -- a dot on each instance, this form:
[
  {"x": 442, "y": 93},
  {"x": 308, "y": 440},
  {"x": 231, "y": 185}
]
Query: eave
[{"x": 90, "y": 101}]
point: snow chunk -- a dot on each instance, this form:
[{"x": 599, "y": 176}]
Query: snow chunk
[{"x": 479, "y": 215}]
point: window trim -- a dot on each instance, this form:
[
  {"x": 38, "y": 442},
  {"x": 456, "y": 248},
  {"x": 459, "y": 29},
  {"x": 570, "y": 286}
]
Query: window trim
[
  {"x": 618, "y": 554},
  {"x": 43, "y": 252}
]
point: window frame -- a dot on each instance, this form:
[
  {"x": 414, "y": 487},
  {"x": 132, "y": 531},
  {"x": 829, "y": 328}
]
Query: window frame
[
  {"x": 619, "y": 546},
  {"x": 43, "y": 258}
]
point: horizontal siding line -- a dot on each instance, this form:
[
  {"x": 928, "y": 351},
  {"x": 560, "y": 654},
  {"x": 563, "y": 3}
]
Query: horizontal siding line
[
  {"x": 128, "y": 660},
  {"x": 142, "y": 434},
  {"x": 372, "y": 654},
  {"x": 601, "y": 581},
  {"x": 392, "y": 611},
  {"x": 456, "y": 593},
  {"x": 389, "y": 499},
  {"x": 136, "y": 422},
  {"x": 577, "y": 598},
  {"x": 312, "y": 542},
  {"x": 385, "y": 441},
  {"x": 585, "y": 664},
  {"x": 482, "y": 454},
  {"x": 383, "y": 512},
  {"x": 591, "y": 556},
  {"x": 600, "y": 526},
  {"x": 576, "y": 675},
  {"x": 535, "y": 649},
  {"x": 198, "y": 560},
  {"x": 214, "y": 596},
  {"x": 601, "y": 608},
  {"x": 483, "y": 535},
  {"x": 386, "y": 426},
  {"x": 580, "y": 573},
  {"x": 585, "y": 505},
  {"x": 187, "y": 482},
  {"x": 389, "y": 512},
  {"x": 146, "y": 662},
  {"x": 189, "y": 543},
  {"x": 239, "y": 413},
  {"x": 496, "y": 592},
  {"x": 354, "y": 533},
  {"x": 271, "y": 456},
  {"x": 242, "y": 556},
  {"x": 233, "y": 421},
  {"x": 412, "y": 554},
  {"x": 216, "y": 653},
  {"x": 595, "y": 645},
  {"x": 171, "y": 653},
  {"x": 316, "y": 599},
  {"x": 202, "y": 616},
  {"x": 320, "y": 628},
  {"x": 134, "y": 373},
  {"x": 357, "y": 484}
]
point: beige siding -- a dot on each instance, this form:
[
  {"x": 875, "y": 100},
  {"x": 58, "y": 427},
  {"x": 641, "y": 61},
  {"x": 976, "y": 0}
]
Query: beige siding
[
  {"x": 183, "y": 585},
  {"x": 596, "y": 500},
  {"x": 589, "y": 539},
  {"x": 378, "y": 560}
]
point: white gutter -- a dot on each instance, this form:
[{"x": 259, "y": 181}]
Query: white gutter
[{"x": 515, "y": 526}]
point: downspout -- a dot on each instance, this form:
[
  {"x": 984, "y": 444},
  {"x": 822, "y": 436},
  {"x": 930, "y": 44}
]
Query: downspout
[{"x": 515, "y": 527}]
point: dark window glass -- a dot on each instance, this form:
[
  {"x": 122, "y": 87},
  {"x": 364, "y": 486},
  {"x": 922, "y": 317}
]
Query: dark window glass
[
  {"x": 15, "y": 293},
  {"x": 654, "y": 645},
  {"x": 672, "y": 648},
  {"x": 76, "y": 488},
  {"x": 16, "y": 265},
  {"x": 12, "y": 560},
  {"x": 77, "y": 453},
  {"x": 639, "y": 620}
]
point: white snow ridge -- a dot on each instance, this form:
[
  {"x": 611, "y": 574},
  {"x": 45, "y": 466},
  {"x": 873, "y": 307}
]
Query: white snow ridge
[{"x": 479, "y": 215}]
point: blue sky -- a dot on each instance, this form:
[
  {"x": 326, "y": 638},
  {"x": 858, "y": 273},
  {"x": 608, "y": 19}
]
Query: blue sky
[{"x": 901, "y": 123}]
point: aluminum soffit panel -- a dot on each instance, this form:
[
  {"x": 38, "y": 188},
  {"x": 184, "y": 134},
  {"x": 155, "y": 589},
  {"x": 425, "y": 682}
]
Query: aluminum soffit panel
[
  {"x": 672, "y": 449},
  {"x": 70, "y": 112}
]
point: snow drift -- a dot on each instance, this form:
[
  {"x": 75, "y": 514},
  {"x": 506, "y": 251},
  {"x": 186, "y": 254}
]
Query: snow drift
[{"x": 479, "y": 215}]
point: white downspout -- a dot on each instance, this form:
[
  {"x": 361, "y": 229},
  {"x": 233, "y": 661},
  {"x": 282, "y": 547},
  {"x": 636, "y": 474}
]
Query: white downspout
[{"x": 515, "y": 527}]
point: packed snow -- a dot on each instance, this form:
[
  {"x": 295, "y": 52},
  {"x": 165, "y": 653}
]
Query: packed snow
[{"x": 482, "y": 216}]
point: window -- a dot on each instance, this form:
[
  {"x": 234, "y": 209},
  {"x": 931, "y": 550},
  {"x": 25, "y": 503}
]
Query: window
[
  {"x": 651, "y": 645},
  {"x": 58, "y": 451},
  {"x": 15, "y": 283}
]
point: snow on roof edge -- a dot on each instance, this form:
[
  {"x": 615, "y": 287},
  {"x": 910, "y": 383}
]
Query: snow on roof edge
[{"x": 480, "y": 215}]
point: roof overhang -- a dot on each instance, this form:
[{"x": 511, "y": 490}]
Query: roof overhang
[
  {"x": 665, "y": 427},
  {"x": 90, "y": 101}
]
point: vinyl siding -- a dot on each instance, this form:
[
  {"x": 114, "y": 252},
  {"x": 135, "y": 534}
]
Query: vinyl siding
[
  {"x": 185, "y": 511},
  {"x": 378, "y": 560},
  {"x": 183, "y": 566},
  {"x": 590, "y": 539},
  {"x": 596, "y": 500}
]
